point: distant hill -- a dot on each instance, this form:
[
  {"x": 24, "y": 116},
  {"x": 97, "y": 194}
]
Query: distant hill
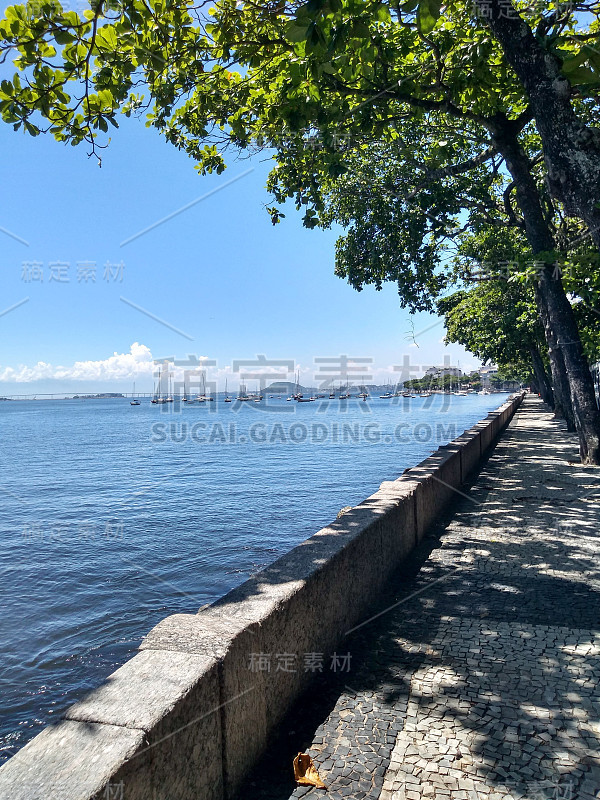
[
  {"x": 102, "y": 396},
  {"x": 283, "y": 387}
]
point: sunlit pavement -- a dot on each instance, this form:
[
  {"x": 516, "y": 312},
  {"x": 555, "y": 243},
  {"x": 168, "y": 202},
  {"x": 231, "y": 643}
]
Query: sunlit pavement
[{"x": 484, "y": 684}]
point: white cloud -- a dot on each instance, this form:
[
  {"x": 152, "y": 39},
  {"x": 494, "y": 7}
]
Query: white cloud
[{"x": 136, "y": 363}]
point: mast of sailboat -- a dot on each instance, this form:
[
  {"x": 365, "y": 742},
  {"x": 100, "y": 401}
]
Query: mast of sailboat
[
  {"x": 134, "y": 401},
  {"x": 158, "y": 388}
]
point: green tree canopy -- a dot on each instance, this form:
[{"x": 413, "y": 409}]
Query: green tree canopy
[{"x": 502, "y": 95}]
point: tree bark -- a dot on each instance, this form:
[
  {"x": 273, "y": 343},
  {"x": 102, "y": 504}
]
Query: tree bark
[
  {"x": 563, "y": 406},
  {"x": 571, "y": 148},
  {"x": 541, "y": 378},
  {"x": 562, "y": 320},
  {"x": 561, "y": 387},
  {"x": 562, "y": 334}
]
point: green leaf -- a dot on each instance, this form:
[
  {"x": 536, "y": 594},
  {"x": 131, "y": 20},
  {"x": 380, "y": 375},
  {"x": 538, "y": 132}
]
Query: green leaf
[
  {"x": 382, "y": 13},
  {"x": 583, "y": 75},
  {"x": 107, "y": 37},
  {"x": 335, "y": 170},
  {"x": 428, "y": 14},
  {"x": 360, "y": 30},
  {"x": 295, "y": 32},
  {"x": 316, "y": 38},
  {"x": 593, "y": 55},
  {"x": 63, "y": 37},
  {"x": 570, "y": 64}
]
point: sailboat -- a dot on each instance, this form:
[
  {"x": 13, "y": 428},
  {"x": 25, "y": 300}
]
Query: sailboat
[
  {"x": 158, "y": 398},
  {"x": 460, "y": 392},
  {"x": 297, "y": 395},
  {"x": 428, "y": 392},
  {"x": 227, "y": 398},
  {"x": 185, "y": 398},
  {"x": 243, "y": 395},
  {"x": 203, "y": 397},
  {"x": 300, "y": 398},
  {"x": 155, "y": 394},
  {"x": 169, "y": 397},
  {"x": 135, "y": 401}
]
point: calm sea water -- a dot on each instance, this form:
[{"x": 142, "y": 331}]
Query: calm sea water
[{"x": 114, "y": 516}]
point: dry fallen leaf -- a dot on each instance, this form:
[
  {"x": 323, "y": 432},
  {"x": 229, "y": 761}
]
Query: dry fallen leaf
[{"x": 305, "y": 773}]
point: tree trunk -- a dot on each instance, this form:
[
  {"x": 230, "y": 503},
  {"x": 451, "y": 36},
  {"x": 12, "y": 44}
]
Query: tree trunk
[
  {"x": 571, "y": 148},
  {"x": 562, "y": 389},
  {"x": 562, "y": 320},
  {"x": 563, "y": 406},
  {"x": 541, "y": 377},
  {"x": 562, "y": 333}
]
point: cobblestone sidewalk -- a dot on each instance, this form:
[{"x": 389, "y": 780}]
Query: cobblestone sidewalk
[{"x": 481, "y": 680}]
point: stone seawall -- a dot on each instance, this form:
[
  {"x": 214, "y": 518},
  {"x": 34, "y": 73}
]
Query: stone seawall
[{"x": 185, "y": 718}]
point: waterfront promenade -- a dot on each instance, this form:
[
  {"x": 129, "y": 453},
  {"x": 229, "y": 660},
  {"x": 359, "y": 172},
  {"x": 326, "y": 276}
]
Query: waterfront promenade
[{"x": 480, "y": 677}]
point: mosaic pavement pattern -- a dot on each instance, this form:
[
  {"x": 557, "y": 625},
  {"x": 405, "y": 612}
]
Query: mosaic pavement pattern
[{"x": 479, "y": 678}]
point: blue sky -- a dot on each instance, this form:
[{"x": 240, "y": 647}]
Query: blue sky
[{"x": 218, "y": 272}]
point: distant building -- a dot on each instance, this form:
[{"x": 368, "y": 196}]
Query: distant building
[
  {"x": 438, "y": 372},
  {"x": 486, "y": 372}
]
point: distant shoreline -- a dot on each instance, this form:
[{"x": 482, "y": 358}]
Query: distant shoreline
[
  {"x": 109, "y": 396},
  {"x": 373, "y": 393}
]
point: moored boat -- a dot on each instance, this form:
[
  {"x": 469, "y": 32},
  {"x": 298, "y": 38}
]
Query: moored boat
[{"x": 134, "y": 401}]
